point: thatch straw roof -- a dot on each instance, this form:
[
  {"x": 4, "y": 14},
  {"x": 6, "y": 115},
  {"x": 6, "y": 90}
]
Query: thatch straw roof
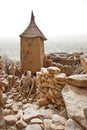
[{"x": 32, "y": 30}]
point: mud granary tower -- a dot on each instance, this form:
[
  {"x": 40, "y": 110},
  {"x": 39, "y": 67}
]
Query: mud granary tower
[{"x": 32, "y": 47}]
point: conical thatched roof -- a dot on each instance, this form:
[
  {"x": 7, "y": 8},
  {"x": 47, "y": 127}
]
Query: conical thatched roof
[{"x": 32, "y": 30}]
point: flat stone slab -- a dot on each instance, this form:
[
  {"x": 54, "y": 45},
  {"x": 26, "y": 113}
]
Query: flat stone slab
[
  {"x": 53, "y": 70},
  {"x": 33, "y": 127},
  {"x": 60, "y": 78},
  {"x": 78, "y": 80}
]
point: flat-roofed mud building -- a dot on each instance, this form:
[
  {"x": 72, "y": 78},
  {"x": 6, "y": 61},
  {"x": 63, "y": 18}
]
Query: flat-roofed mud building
[{"x": 32, "y": 47}]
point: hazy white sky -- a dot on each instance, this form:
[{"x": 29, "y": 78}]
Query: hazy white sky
[{"x": 53, "y": 17}]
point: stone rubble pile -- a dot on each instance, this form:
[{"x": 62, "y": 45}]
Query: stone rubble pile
[
  {"x": 75, "y": 97},
  {"x": 50, "y": 101},
  {"x": 65, "y": 58},
  {"x": 68, "y": 63},
  {"x": 26, "y": 116},
  {"x": 50, "y": 82},
  {"x": 83, "y": 60},
  {"x": 3, "y": 99}
]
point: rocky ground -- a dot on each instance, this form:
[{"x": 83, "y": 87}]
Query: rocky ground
[{"x": 54, "y": 99}]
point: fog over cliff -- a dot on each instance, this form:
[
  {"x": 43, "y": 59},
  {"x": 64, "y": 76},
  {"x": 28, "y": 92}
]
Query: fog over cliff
[{"x": 11, "y": 47}]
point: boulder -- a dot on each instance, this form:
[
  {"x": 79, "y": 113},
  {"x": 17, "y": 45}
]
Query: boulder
[
  {"x": 53, "y": 70},
  {"x": 78, "y": 80},
  {"x": 24, "y": 101},
  {"x": 14, "y": 108},
  {"x": 47, "y": 124},
  {"x": 58, "y": 122},
  {"x": 46, "y": 113},
  {"x": 11, "y": 127},
  {"x": 72, "y": 125},
  {"x": 28, "y": 116},
  {"x": 58, "y": 118},
  {"x": 21, "y": 124},
  {"x": 4, "y": 96},
  {"x": 43, "y": 71},
  {"x": 7, "y": 112},
  {"x": 8, "y": 105},
  {"x": 43, "y": 102},
  {"x": 10, "y": 119},
  {"x": 4, "y": 83},
  {"x": 36, "y": 121},
  {"x": 75, "y": 100},
  {"x": 33, "y": 127}
]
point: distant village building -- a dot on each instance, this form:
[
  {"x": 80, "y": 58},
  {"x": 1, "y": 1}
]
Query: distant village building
[{"x": 32, "y": 47}]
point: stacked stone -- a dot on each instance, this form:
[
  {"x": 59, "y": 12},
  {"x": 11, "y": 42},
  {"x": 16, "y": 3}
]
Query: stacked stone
[
  {"x": 68, "y": 63},
  {"x": 50, "y": 82},
  {"x": 75, "y": 97},
  {"x": 3, "y": 99},
  {"x": 68, "y": 69},
  {"x": 83, "y": 60},
  {"x": 1, "y": 63}
]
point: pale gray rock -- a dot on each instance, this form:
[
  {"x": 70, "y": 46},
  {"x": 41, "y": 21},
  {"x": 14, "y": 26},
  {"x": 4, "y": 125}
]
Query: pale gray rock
[
  {"x": 4, "y": 82},
  {"x": 24, "y": 101},
  {"x": 9, "y": 101},
  {"x": 14, "y": 108},
  {"x": 10, "y": 119},
  {"x": 46, "y": 113},
  {"x": 47, "y": 124},
  {"x": 43, "y": 71},
  {"x": 19, "y": 104},
  {"x": 11, "y": 127},
  {"x": 53, "y": 70},
  {"x": 72, "y": 125},
  {"x": 29, "y": 116},
  {"x": 58, "y": 118},
  {"x": 36, "y": 121},
  {"x": 33, "y": 127},
  {"x": 7, "y": 112},
  {"x": 58, "y": 122},
  {"x": 26, "y": 117},
  {"x": 4, "y": 96},
  {"x": 29, "y": 106},
  {"x": 75, "y": 100},
  {"x": 8, "y": 105}
]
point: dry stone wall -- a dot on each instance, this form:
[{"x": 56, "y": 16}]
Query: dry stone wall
[
  {"x": 50, "y": 82},
  {"x": 68, "y": 63}
]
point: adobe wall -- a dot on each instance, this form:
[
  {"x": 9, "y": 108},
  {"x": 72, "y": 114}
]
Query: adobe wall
[{"x": 31, "y": 54}]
